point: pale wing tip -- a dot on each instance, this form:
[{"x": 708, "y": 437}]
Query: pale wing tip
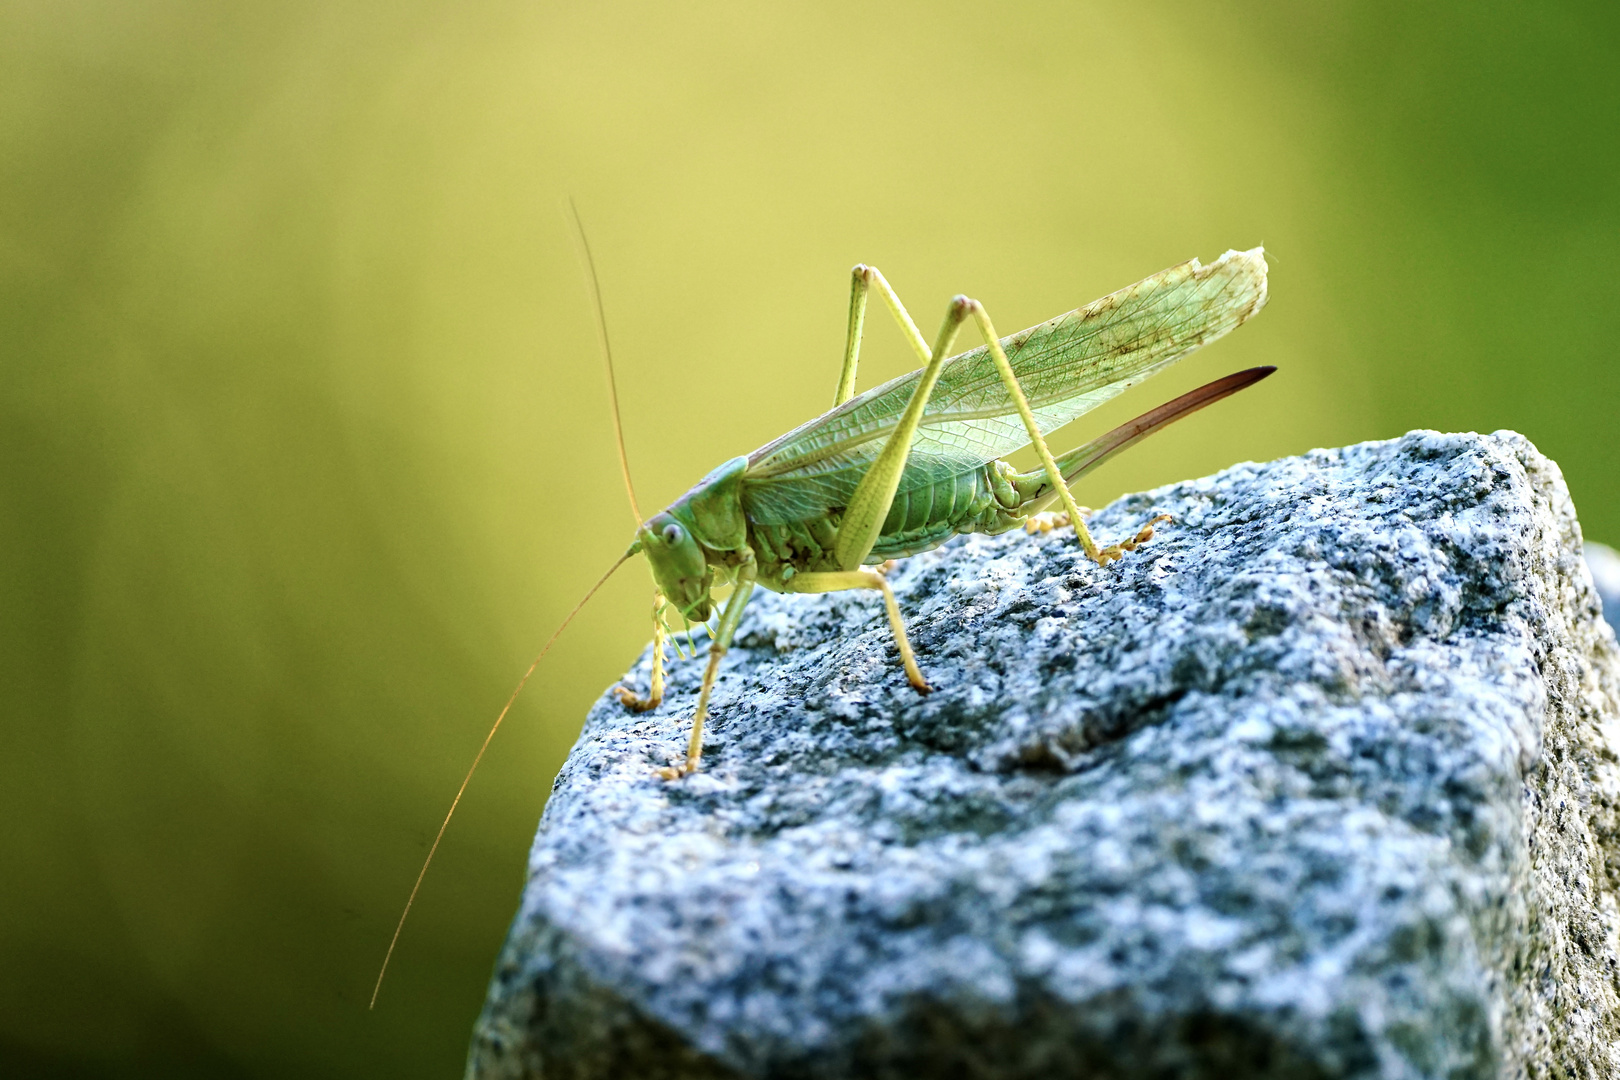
[{"x": 1250, "y": 267}]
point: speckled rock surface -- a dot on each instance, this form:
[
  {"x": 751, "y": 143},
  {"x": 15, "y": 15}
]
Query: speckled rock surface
[{"x": 1320, "y": 783}]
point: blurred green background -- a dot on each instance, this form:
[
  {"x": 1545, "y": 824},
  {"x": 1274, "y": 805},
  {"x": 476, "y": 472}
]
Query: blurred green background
[{"x": 304, "y": 444}]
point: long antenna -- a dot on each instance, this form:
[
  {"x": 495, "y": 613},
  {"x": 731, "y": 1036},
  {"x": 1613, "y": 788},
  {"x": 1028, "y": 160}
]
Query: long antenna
[
  {"x": 480, "y": 757},
  {"x": 607, "y": 354}
]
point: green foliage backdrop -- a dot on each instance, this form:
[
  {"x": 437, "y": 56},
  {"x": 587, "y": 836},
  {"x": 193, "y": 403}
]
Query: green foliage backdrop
[{"x": 303, "y": 438}]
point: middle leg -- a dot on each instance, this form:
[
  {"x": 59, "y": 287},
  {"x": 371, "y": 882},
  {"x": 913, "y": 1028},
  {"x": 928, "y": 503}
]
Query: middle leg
[
  {"x": 718, "y": 645},
  {"x": 840, "y": 580}
]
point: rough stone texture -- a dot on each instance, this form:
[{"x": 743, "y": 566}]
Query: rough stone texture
[{"x": 1318, "y": 784}]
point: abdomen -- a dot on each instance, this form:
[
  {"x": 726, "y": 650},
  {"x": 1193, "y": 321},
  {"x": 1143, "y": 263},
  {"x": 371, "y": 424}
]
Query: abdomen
[
  {"x": 981, "y": 499},
  {"x": 977, "y": 499}
]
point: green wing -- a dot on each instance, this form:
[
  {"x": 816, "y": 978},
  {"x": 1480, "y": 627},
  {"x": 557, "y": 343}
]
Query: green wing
[{"x": 1066, "y": 366}]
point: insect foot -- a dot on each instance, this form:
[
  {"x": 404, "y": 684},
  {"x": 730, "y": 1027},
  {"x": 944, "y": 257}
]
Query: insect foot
[
  {"x": 1047, "y": 520},
  {"x": 1117, "y": 551},
  {"x": 635, "y": 702},
  {"x": 1275, "y": 807}
]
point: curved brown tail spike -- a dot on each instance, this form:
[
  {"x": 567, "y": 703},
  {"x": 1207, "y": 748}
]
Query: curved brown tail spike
[
  {"x": 588, "y": 264},
  {"x": 474, "y": 768}
]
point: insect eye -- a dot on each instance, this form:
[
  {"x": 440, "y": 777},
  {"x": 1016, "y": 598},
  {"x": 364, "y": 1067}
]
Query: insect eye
[{"x": 672, "y": 534}]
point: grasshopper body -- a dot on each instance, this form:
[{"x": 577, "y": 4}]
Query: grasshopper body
[
  {"x": 907, "y": 465},
  {"x": 904, "y": 467}
]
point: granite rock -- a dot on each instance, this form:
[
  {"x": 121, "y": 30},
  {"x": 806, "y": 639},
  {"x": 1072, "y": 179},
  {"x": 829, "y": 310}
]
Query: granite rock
[{"x": 1319, "y": 783}]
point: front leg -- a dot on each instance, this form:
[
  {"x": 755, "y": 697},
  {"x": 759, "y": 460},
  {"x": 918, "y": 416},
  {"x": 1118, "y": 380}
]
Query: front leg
[{"x": 655, "y": 693}]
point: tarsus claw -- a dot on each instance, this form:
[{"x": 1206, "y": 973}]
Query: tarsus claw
[
  {"x": 634, "y": 702},
  {"x": 1143, "y": 535}
]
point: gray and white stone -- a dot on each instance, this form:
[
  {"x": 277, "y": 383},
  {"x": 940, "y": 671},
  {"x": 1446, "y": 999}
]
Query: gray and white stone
[{"x": 1319, "y": 783}]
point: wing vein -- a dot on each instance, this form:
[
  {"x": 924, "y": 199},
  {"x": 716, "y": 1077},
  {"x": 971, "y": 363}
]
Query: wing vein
[{"x": 1066, "y": 367}]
